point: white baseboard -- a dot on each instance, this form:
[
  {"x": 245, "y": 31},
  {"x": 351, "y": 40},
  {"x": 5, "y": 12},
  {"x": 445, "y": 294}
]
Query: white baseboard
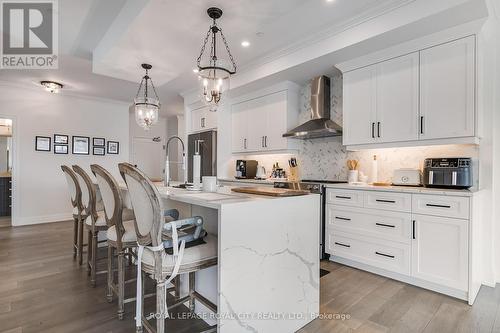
[{"x": 42, "y": 219}]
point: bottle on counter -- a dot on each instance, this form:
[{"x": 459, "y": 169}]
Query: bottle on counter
[{"x": 374, "y": 176}]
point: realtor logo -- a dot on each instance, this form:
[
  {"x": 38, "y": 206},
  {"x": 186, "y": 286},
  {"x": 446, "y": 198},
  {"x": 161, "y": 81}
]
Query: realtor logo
[{"x": 29, "y": 34}]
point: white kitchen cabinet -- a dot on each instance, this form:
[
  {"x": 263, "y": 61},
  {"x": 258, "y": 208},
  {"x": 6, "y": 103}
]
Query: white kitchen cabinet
[
  {"x": 424, "y": 97},
  {"x": 423, "y": 237},
  {"x": 447, "y": 78},
  {"x": 202, "y": 119},
  {"x": 397, "y": 99},
  {"x": 258, "y": 123},
  {"x": 440, "y": 251},
  {"x": 381, "y": 102},
  {"x": 239, "y": 125},
  {"x": 359, "y": 106}
]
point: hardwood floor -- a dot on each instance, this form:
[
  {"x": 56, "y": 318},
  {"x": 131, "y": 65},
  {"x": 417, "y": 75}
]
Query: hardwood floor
[
  {"x": 42, "y": 289},
  {"x": 377, "y": 304}
]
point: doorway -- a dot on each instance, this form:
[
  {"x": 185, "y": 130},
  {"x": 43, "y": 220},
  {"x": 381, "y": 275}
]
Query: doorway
[
  {"x": 148, "y": 155},
  {"x": 6, "y": 161}
]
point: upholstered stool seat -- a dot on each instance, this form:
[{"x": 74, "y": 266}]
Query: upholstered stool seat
[
  {"x": 128, "y": 235},
  {"x": 193, "y": 257}
]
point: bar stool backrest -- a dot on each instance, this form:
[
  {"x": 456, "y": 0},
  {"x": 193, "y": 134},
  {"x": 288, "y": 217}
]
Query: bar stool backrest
[
  {"x": 88, "y": 192},
  {"x": 146, "y": 203},
  {"x": 112, "y": 199},
  {"x": 73, "y": 186}
]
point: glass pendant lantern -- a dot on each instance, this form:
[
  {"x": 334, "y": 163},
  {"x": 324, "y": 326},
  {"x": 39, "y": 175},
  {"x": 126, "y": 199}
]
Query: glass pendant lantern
[
  {"x": 214, "y": 72},
  {"x": 146, "y": 106}
]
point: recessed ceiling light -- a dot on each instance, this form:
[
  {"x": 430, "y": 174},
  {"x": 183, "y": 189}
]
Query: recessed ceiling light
[
  {"x": 195, "y": 70},
  {"x": 51, "y": 86},
  {"x": 245, "y": 43},
  {"x": 330, "y": 0}
]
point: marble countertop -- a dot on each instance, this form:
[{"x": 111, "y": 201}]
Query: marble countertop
[
  {"x": 223, "y": 196},
  {"x": 405, "y": 189}
]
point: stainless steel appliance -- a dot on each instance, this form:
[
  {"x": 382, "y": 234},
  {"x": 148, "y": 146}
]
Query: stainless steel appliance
[
  {"x": 320, "y": 124},
  {"x": 448, "y": 172},
  {"x": 207, "y": 142},
  {"x": 314, "y": 186},
  {"x": 246, "y": 169}
]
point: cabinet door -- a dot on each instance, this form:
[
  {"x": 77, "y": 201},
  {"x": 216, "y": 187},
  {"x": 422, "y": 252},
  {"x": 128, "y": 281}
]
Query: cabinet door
[
  {"x": 276, "y": 110},
  {"x": 196, "y": 120},
  {"x": 359, "y": 106},
  {"x": 447, "y": 99},
  {"x": 239, "y": 128},
  {"x": 440, "y": 251},
  {"x": 209, "y": 119},
  {"x": 257, "y": 124},
  {"x": 397, "y": 99}
]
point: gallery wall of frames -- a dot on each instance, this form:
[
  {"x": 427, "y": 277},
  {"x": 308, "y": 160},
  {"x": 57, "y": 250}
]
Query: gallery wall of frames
[{"x": 80, "y": 145}]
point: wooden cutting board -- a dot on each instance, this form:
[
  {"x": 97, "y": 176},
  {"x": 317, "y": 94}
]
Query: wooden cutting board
[{"x": 270, "y": 191}]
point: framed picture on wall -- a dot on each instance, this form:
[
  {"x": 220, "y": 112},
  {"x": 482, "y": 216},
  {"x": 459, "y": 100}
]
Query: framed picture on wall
[
  {"x": 98, "y": 142},
  {"x": 60, "y": 149},
  {"x": 113, "y": 147},
  {"x": 81, "y": 145},
  {"x": 99, "y": 151},
  {"x": 42, "y": 143},
  {"x": 60, "y": 139}
]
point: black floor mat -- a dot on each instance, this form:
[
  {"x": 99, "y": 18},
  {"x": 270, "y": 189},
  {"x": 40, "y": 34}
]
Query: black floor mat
[{"x": 323, "y": 272}]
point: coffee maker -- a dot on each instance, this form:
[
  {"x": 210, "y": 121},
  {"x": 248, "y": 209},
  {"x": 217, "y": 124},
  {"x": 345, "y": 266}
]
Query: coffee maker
[{"x": 246, "y": 169}]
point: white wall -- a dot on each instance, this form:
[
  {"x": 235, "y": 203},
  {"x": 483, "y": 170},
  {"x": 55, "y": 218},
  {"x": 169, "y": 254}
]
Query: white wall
[{"x": 40, "y": 192}]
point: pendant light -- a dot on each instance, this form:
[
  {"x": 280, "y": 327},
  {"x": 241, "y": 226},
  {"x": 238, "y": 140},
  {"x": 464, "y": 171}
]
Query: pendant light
[
  {"x": 146, "y": 106},
  {"x": 214, "y": 71}
]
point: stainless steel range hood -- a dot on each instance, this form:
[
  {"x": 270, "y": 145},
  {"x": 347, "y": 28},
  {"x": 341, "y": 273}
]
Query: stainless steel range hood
[{"x": 320, "y": 125}]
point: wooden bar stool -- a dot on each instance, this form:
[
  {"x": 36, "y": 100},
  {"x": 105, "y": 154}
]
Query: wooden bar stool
[
  {"x": 152, "y": 258},
  {"x": 78, "y": 212},
  {"x": 121, "y": 236},
  {"x": 95, "y": 221}
]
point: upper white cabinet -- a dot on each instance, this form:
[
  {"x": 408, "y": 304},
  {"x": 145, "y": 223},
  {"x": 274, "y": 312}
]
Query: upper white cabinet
[
  {"x": 381, "y": 102},
  {"x": 359, "y": 106},
  {"x": 425, "y": 95},
  {"x": 202, "y": 119},
  {"x": 397, "y": 99},
  {"x": 259, "y": 122},
  {"x": 447, "y": 75}
]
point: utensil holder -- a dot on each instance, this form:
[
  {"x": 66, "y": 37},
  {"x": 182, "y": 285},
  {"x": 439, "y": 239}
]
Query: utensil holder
[{"x": 352, "y": 176}]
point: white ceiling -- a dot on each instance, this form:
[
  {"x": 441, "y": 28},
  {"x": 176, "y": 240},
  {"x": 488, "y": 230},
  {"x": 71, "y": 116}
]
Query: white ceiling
[{"x": 102, "y": 43}]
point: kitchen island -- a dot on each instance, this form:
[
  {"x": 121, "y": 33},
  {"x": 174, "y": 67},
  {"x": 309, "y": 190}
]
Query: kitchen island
[{"x": 267, "y": 277}]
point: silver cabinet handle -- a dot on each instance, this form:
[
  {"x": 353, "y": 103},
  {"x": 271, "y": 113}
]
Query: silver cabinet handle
[
  {"x": 373, "y": 130},
  {"x": 378, "y": 129},
  {"x": 421, "y": 124},
  {"x": 341, "y": 244},
  {"x": 245, "y": 143},
  {"x": 342, "y": 218},
  {"x": 265, "y": 141}
]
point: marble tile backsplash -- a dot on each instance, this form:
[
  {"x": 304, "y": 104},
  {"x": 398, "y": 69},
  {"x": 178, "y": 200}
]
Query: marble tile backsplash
[{"x": 326, "y": 158}]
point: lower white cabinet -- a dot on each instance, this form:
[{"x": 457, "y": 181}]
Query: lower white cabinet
[
  {"x": 440, "y": 250},
  {"x": 423, "y": 238}
]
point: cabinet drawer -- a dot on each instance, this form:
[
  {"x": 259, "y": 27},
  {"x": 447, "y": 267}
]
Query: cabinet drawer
[
  {"x": 393, "y": 226},
  {"x": 439, "y": 205},
  {"x": 383, "y": 254},
  {"x": 400, "y": 202},
  {"x": 345, "y": 197}
]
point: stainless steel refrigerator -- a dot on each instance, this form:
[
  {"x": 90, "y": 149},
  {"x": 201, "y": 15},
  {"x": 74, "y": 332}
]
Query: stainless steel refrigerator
[{"x": 207, "y": 143}]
